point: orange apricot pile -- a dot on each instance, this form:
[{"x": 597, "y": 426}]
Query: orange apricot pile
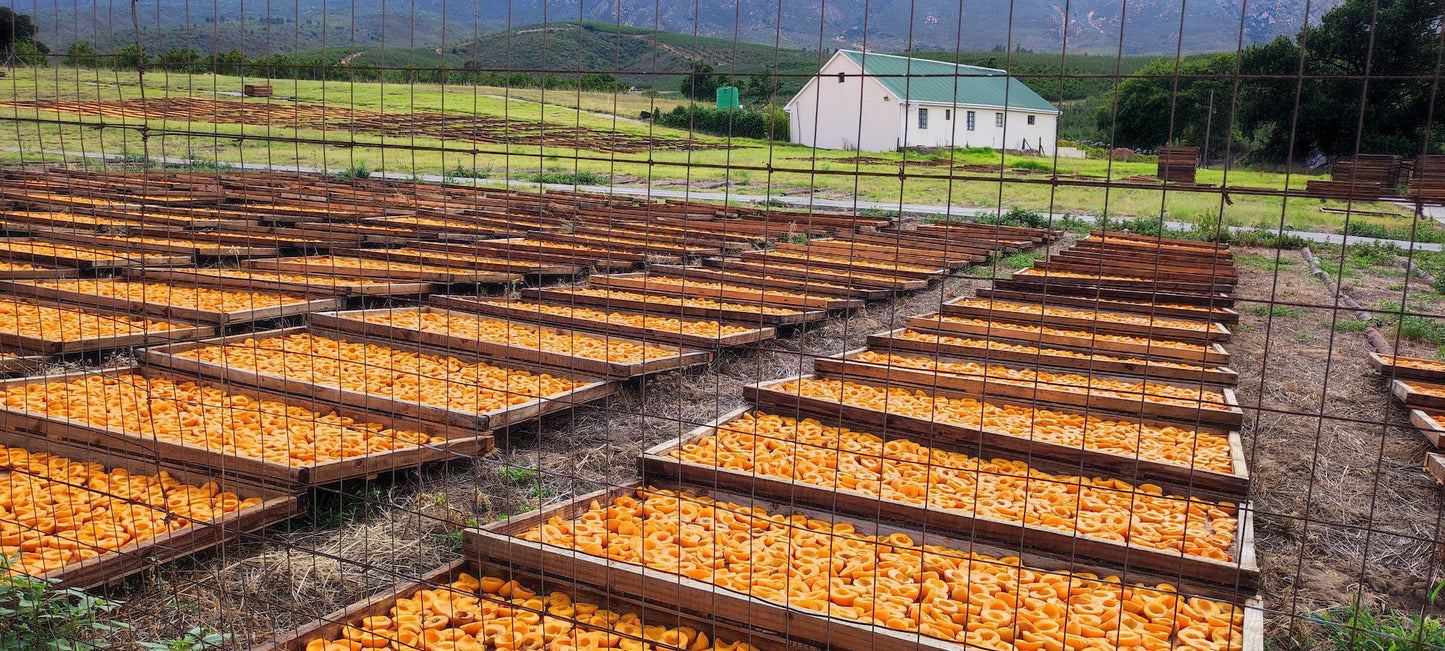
[
  {"x": 625, "y": 243},
  {"x": 283, "y": 277},
  {"x": 986, "y": 344},
  {"x": 695, "y": 327},
  {"x": 55, "y": 511},
  {"x": 490, "y": 613},
  {"x": 656, "y": 299},
  {"x": 61, "y": 250},
  {"x": 323, "y": 263},
  {"x": 386, "y": 372},
  {"x": 1167, "y": 394},
  {"x": 66, "y": 218},
  {"x": 212, "y": 299},
  {"x": 1164, "y": 444},
  {"x": 855, "y": 262},
  {"x": 16, "y": 266},
  {"x": 519, "y": 335},
  {"x": 1004, "y": 328},
  {"x": 891, "y": 581},
  {"x": 68, "y": 324},
  {"x": 526, "y": 244},
  {"x": 904, "y": 471},
  {"x": 1070, "y": 274},
  {"x": 1034, "y": 309},
  {"x": 1414, "y": 362},
  {"x": 1427, "y": 389},
  {"x": 836, "y": 274},
  {"x": 456, "y": 259},
  {"x": 207, "y": 417}
]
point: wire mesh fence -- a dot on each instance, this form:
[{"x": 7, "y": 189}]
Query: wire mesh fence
[{"x": 680, "y": 326}]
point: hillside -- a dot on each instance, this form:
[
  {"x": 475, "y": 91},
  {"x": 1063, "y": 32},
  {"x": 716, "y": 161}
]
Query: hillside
[{"x": 1083, "y": 26}]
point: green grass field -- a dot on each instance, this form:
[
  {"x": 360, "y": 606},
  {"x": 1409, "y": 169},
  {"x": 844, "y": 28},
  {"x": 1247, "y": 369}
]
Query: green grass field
[{"x": 751, "y": 166}]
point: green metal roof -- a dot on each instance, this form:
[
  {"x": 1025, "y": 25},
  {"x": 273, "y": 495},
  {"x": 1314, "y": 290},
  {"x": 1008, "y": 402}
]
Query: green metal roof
[{"x": 925, "y": 80}]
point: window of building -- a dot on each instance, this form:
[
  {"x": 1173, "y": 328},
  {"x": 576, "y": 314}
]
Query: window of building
[
  {"x": 842, "y": 77},
  {"x": 947, "y": 114},
  {"x": 970, "y": 116},
  {"x": 1031, "y": 119},
  {"x": 998, "y": 119},
  {"x": 923, "y": 118}
]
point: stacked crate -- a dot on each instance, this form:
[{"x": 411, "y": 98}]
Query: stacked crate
[{"x": 1178, "y": 164}]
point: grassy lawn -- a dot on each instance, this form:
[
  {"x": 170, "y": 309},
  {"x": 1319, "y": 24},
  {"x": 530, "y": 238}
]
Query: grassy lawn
[{"x": 751, "y": 166}]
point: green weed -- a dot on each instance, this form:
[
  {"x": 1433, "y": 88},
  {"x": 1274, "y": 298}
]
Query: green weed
[
  {"x": 1265, "y": 262},
  {"x": 519, "y": 476},
  {"x": 567, "y": 178},
  {"x": 1351, "y": 325},
  {"x": 1020, "y": 261},
  {"x": 194, "y": 640},
  {"x": 1361, "y": 628},
  {"x": 337, "y": 508},
  {"x": 1287, "y": 311},
  {"x": 356, "y": 172},
  {"x": 34, "y": 614}
]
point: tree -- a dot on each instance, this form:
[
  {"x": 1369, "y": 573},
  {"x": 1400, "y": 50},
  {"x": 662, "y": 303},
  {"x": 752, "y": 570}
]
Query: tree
[
  {"x": 80, "y": 55},
  {"x": 130, "y": 57},
  {"x": 702, "y": 81},
  {"x": 14, "y": 28},
  {"x": 1162, "y": 105},
  {"x": 760, "y": 88},
  {"x": 30, "y": 53},
  {"x": 1335, "y": 56}
]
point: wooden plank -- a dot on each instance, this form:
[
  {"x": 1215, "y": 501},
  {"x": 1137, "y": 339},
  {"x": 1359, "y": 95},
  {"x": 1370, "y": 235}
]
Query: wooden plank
[
  {"x": 167, "y": 357},
  {"x": 193, "y": 244},
  {"x": 645, "y": 283},
  {"x": 466, "y": 262},
  {"x": 498, "y": 542},
  {"x": 192, "y": 276},
  {"x": 1045, "y": 270},
  {"x": 351, "y": 322},
  {"x": 1391, "y": 368},
  {"x": 1429, "y": 422},
  {"x": 523, "y": 248},
  {"x": 1211, "y": 353},
  {"x": 1151, "y": 265},
  {"x": 516, "y": 310},
  {"x": 1174, "y": 311},
  {"x": 565, "y": 295},
  {"x": 37, "y": 272},
  {"x": 113, "y": 565},
  {"x": 171, "y": 311},
  {"x": 21, "y": 364},
  {"x": 45, "y": 346},
  {"x": 1057, "y": 286},
  {"x": 768, "y": 281},
  {"x": 648, "y": 609},
  {"x": 1435, "y": 465},
  {"x": 658, "y": 464},
  {"x": 847, "y": 366},
  {"x": 875, "y": 254},
  {"x": 1129, "y": 468},
  {"x": 1062, "y": 359},
  {"x": 459, "y": 444},
  {"x": 323, "y": 266},
  {"x": 878, "y": 268},
  {"x": 1414, "y": 393},
  {"x": 110, "y": 259},
  {"x": 1096, "y": 321}
]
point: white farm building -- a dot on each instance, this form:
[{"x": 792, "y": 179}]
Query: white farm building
[{"x": 879, "y": 102}]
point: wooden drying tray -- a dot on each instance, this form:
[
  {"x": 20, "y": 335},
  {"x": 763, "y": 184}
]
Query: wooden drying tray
[
  {"x": 503, "y": 308},
  {"x": 39, "y": 273},
  {"x": 175, "y": 218},
  {"x": 466, "y": 262},
  {"x": 879, "y": 254},
  {"x": 22, "y": 364},
  {"x": 316, "y": 267},
  {"x": 767, "y": 257},
  {"x": 1392, "y": 370},
  {"x": 566, "y": 296},
  {"x": 117, "y": 260},
  {"x": 1413, "y": 393},
  {"x": 659, "y": 253},
  {"x": 165, "y": 311},
  {"x": 665, "y": 235},
  {"x": 1231, "y": 485},
  {"x": 643, "y": 283},
  {"x": 350, "y": 322},
  {"x": 44, "y": 346},
  {"x": 1135, "y": 239},
  {"x": 1056, "y": 286},
  {"x": 1152, "y": 265},
  {"x": 658, "y": 465},
  {"x": 113, "y": 565},
  {"x": 768, "y": 281},
  {"x": 167, "y": 357},
  {"x": 332, "y": 626},
  {"x": 848, "y": 366},
  {"x": 1101, "y": 321},
  {"x": 1150, "y": 288},
  {"x": 354, "y": 234},
  {"x": 188, "y": 244},
  {"x": 1218, "y": 314},
  {"x": 1136, "y": 278},
  {"x": 807, "y": 272},
  {"x": 1429, "y": 422},
  {"x": 526, "y": 248},
  {"x": 459, "y": 443},
  {"x": 196, "y": 277},
  {"x": 1205, "y": 374},
  {"x": 1435, "y": 465},
  {"x": 497, "y": 542},
  {"x": 1212, "y": 353}
]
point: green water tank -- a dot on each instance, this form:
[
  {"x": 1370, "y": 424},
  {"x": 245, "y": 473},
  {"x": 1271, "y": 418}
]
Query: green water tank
[{"x": 727, "y": 97}]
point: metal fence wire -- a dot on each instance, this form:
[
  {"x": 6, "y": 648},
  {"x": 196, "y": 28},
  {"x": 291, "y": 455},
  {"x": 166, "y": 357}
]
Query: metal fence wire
[{"x": 757, "y": 325}]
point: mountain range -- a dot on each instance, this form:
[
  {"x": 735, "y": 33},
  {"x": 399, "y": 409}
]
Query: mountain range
[{"x": 1081, "y": 26}]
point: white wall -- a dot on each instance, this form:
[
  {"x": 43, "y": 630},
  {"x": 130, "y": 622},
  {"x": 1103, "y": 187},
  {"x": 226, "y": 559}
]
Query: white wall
[
  {"x": 856, "y": 114},
  {"x": 943, "y": 132}
]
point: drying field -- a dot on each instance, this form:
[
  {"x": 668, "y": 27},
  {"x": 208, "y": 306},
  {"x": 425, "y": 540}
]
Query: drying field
[{"x": 322, "y": 414}]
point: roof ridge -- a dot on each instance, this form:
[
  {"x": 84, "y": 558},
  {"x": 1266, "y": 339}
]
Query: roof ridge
[{"x": 866, "y": 53}]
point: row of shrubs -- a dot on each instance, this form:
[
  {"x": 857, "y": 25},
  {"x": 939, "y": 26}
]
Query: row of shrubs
[{"x": 734, "y": 123}]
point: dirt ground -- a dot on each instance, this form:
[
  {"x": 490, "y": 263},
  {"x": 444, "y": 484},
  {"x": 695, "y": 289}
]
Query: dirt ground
[{"x": 1343, "y": 508}]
